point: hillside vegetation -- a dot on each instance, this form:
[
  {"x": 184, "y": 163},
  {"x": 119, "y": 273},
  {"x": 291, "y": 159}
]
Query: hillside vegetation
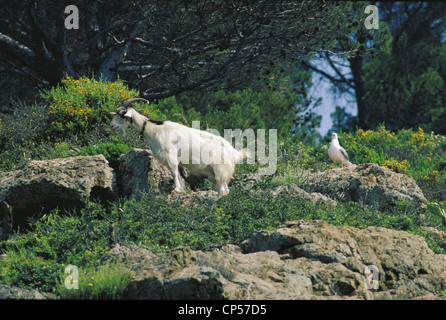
[{"x": 72, "y": 119}]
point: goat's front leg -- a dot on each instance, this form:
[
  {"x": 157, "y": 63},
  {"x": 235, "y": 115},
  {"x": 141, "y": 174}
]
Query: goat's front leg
[
  {"x": 176, "y": 178},
  {"x": 222, "y": 188}
]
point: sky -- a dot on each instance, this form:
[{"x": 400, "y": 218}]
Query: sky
[{"x": 322, "y": 88}]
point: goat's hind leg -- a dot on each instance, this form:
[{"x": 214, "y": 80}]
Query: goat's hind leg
[{"x": 179, "y": 186}]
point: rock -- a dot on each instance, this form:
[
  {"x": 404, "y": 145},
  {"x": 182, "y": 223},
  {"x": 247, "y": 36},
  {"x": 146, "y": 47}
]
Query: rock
[
  {"x": 66, "y": 183},
  {"x": 221, "y": 274},
  {"x": 15, "y": 293},
  {"x": 196, "y": 199},
  {"x": 293, "y": 190},
  {"x": 406, "y": 266},
  {"x": 5, "y": 220},
  {"x": 140, "y": 171},
  {"x": 301, "y": 260},
  {"x": 248, "y": 181},
  {"x": 368, "y": 184}
]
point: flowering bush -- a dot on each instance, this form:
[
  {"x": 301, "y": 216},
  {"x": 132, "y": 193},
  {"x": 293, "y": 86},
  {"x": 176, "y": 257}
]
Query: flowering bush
[
  {"x": 79, "y": 105},
  {"x": 396, "y": 166},
  {"x": 415, "y": 153}
]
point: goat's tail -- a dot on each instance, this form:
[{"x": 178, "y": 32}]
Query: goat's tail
[{"x": 243, "y": 154}]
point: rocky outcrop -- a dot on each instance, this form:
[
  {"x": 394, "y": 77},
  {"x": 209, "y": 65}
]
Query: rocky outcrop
[
  {"x": 140, "y": 171},
  {"x": 65, "y": 183},
  {"x": 368, "y": 184},
  {"x": 15, "y": 293},
  {"x": 293, "y": 190},
  {"x": 301, "y": 260}
]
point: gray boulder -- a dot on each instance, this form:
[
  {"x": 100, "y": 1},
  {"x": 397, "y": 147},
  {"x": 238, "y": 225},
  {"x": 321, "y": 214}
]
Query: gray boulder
[
  {"x": 368, "y": 184},
  {"x": 66, "y": 183},
  {"x": 293, "y": 190},
  {"x": 140, "y": 171},
  {"x": 15, "y": 293}
]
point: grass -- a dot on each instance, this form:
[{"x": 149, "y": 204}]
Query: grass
[{"x": 103, "y": 283}]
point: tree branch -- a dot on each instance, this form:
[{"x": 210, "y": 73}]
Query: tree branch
[{"x": 341, "y": 76}]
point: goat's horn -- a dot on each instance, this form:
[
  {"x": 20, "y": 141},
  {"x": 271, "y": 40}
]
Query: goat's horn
[{"x": 131, "y": 100}]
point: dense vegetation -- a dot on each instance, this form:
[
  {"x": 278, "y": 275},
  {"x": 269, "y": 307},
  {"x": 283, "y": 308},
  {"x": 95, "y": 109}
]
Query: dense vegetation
[{"x": 72, "y": 119}]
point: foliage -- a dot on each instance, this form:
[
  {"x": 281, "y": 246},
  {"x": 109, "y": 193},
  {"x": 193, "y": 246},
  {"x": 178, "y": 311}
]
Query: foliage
[
  {"x": 415, "y": 94},
  {"x": 342, "y": 121},
  {"x": 21, "y": 133},
  {"x": 24, "y": 268},
  {"x": 273, "y": 104},
  {"x": 81, "y": 241},
  {"x": 78, "y": 105},
  {"x": 215, "y": 41},
  {"x": 105, "y": 282},
  {"x": 110, "y": 150}
]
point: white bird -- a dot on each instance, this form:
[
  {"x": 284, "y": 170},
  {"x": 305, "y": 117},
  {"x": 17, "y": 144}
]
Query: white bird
[{"x": 336, "y": 152}]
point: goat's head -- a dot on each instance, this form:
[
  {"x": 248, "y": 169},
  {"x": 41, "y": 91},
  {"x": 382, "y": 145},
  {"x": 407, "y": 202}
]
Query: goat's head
[{"x": 124, "y": 115}]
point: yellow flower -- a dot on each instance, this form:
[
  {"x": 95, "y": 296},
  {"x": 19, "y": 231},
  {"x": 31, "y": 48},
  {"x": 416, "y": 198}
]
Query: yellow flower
[
  {"x": 435, "y": 174},
  {"x": 396, "y": 166},
  {"x": 90, "y": 284}
]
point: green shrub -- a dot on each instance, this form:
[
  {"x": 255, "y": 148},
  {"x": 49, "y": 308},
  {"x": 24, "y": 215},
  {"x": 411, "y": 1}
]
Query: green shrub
[
  {"x": 111, "y": 151},
  {"x": 24, "y": 269},
  {"x": 104, "y": 282},
  {"x": 21, "y": 133},
  {"x": 159, "y": 226},
  {"x": 78, "y": 106},
  {"x": 81, "y": 240}
]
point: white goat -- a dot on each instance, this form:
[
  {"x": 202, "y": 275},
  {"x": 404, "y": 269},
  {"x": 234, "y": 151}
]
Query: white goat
[{"x": 202, "y": 153}]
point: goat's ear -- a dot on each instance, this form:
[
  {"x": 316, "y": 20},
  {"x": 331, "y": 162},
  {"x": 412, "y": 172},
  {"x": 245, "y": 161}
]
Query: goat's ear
[{"x": 129, "y": 114}]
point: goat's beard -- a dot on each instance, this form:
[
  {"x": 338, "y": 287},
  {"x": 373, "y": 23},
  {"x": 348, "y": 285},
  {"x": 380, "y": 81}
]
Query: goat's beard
[{"x": 119, "y": 131}]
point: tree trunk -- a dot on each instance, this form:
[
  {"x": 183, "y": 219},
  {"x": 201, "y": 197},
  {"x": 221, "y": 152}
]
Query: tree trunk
[{"x": 356, "y": 67}]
